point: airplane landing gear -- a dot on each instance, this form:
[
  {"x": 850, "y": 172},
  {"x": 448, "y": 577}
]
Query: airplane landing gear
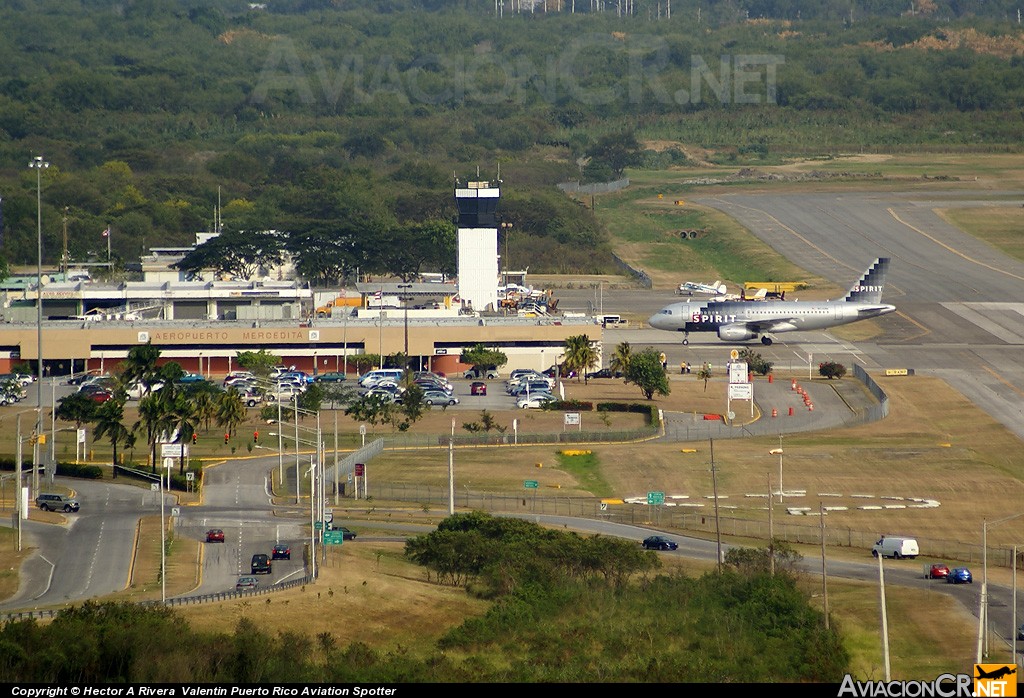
[
  {"x": 686, "y": 338},
  {"x": 767, "y": 341}
]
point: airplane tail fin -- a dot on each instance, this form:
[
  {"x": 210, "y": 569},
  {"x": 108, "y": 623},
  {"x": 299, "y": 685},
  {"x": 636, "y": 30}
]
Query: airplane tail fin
[{"x": 869, "y": 288}]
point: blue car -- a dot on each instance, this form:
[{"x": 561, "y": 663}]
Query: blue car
[{"x": 960, "y": 575}]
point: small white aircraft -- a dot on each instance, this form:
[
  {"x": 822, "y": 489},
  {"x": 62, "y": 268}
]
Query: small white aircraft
[
  {"x": 688, "y": 288},
  {"x": 738, "y": 321}
]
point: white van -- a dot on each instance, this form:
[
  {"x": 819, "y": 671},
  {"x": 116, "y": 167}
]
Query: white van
[
  {"x": 371, "y": 378},
  {"x": 895, "y": 547}
]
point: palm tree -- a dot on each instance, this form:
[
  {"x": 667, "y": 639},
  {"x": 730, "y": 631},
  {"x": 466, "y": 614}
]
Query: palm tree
[
  {"x": 621, "y": 358},
  {"x": 229, "y": 410},
  {"x": 184, "y": 418},
  {"x": 110, "y": 424},
  {"x": 705, "y": 374},
  {"x": 140, "y": 367},
  {"x": 580, "y": 354},
  {"x": 205, "y": 407},
  {"x": 155, "y": 418}
]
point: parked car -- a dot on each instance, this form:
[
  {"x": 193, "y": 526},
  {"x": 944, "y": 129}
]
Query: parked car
[
  {"x": 215, "y": 535},
  {"x": 56, "y": 502},
  {"x": 80, "y": 378},
  {"x": 439, "y": 397},
  {"x": 604, "y": 373},
  {"x": 281, "y": 552},
  {"x": 536, "y": 401},
  {"x": 938, "y": 571},
  {"x": 566, "y": 373},
  {"x": 659, "y": 543},
  {"x": 478, "y": 388},
  {"x": 300, "y": 377},
  {"x": 960, "y": 575},
  {"x": 261, "y": 564},
  {"x": 332, "y": 377},
  {"x": 138, "y": 390},
  {"x": 490, "y": 372},
  {"x": 247, "y": 584},
  {"x": 530, "y": 388},
  {"x": 346, "y": 533},
  {"x": 191, "y": 378},
  {"x": 101, "y": 395}
]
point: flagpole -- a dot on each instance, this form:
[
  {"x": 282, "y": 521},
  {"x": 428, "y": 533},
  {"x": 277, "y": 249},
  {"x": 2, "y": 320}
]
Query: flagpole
[{"x": 109, "y": 265}]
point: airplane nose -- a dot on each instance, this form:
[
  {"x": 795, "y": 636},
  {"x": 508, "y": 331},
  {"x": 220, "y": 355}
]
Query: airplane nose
[{"x": 655, "y": 322}]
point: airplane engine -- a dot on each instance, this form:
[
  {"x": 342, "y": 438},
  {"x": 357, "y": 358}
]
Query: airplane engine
[{"x": 735, "y": 333}]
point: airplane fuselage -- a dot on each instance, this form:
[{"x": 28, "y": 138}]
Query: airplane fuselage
[{"x": 747, "y": 319}]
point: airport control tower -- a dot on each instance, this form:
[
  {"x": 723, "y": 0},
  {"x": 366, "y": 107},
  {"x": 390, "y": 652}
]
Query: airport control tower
[{"x": 478, "y": 244}]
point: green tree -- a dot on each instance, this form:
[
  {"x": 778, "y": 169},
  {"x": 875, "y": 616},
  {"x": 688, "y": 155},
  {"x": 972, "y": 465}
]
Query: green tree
[
  {"x": 704, "y": 374},
  {"x": 260, "y": 363},
  {"x": 78, "y": 408},
  {"x": 140, "y": 367},
  {"x": 616, "y": 151},
  {"x": 830, "y": 370},
  {"x": 313, "y": 398},
  {"x": 110, "y": 425},
  {"x": 155, "y": 418},
  {"x": 371, "y": 408},
  {"x": 238, "y": 253},
  {"x": 229, "y": 411},
  {"x": 580, "y": 355},
  {"x": 482, "y": 358},
  {"x": 755, "y": 362},
  {"x": 621, "y": 358},
  {"x": 646, "y": 372}
]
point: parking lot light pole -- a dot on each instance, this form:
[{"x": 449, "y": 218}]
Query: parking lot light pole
[
  {"x": 38, "y": 164},
  {"x": 405, "y": 298}
]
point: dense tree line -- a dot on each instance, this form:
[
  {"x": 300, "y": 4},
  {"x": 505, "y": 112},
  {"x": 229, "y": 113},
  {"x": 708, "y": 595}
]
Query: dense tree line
[
  {"x": 343, "y": 124},
  {"x": 566, "y": 608}
]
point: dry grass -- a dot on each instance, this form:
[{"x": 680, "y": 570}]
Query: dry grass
[{"x": 365, "y": 593}]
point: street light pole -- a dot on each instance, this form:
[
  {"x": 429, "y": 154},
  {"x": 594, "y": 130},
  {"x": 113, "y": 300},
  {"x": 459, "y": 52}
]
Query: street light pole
[
  {"x": 38, "y": 164},
  {"x": 982, "y": 649},
  {"x": 405, "y": 309}
]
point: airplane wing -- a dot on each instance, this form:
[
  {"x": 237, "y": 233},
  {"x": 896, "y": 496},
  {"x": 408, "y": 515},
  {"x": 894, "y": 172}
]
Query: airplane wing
[{"x": 787, "y": 324}]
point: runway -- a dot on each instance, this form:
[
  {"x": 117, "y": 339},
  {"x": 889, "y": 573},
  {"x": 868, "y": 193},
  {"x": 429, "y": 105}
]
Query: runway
[{"x": 960, "y": 301}]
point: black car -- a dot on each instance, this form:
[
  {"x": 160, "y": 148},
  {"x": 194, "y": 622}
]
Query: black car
[
  {"x": 261, "y": 563},
  {"x": 282, "y": 552},
  {"x": 659, "y": 543},
  {"x": 346, "y": 534},
  {"x": 604, "y": 373}
]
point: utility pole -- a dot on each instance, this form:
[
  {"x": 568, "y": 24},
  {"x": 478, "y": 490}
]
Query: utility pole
[
  {"x": 824, "y": 578},
  {"x": 771, "y": 529},
  {"x": 718, "y": 527}
]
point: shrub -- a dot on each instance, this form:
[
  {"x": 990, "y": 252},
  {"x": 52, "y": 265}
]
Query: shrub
[
  {"x": 87, "y": 472},
  {"x": 831, "y": 369}
]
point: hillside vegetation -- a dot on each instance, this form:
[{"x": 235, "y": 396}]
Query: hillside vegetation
[{"x": 307, "y": 116}]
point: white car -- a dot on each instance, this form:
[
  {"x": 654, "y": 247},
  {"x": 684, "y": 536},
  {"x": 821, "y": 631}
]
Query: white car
[
  {"x": 535, "y": 401},
  {"x": 136, "y": 391}
]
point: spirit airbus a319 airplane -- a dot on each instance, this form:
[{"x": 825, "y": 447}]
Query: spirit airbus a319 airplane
[{"x": 738, "y": 321}]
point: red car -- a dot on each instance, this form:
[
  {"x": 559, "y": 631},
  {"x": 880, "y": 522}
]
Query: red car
[
  {"x": 215, "y": 535},
  {"x": 100, "y": 395},
  {"x": 938, "y": 571},
  {"x": 478, "y": 388}
]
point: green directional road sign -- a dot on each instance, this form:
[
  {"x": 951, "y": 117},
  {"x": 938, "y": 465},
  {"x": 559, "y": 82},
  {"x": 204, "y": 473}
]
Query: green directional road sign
[
  {"x": 318, "y": 525},
  {"x": 531, "y": 484},
  {"x": 334, "y": 537},
  {"x": 655, "y": 497}
]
